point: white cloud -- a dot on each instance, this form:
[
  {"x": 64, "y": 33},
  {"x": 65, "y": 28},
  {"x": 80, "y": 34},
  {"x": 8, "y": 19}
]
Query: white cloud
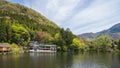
[
  {"x": 60, "y": 10},
  {"x": 89, "y": 19}
]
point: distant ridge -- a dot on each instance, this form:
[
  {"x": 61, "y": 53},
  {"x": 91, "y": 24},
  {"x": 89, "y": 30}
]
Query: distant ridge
[{"x": 114, "y": 32}]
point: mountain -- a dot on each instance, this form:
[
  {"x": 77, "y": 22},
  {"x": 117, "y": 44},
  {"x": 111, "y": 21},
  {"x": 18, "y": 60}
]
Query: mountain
[
  {"x": 13, "y": 8},
  {"x": 25, "y": 16},
  {"x": 114, "y": 32},
  {"x": 20, "y": 24}
]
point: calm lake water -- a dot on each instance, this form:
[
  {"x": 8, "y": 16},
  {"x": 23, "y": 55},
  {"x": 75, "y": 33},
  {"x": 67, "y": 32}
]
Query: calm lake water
[{"x": 60, "y": 60}]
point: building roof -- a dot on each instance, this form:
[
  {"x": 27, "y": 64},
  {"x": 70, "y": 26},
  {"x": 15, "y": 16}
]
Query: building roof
[{"x": 4, "y": 45}]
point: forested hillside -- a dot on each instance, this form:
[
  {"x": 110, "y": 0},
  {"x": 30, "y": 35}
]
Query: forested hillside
[{"x": 21, "y": 25}]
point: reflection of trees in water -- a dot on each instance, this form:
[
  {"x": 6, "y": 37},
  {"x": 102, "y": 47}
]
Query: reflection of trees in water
[
  {"x": 83, "y": 60},
  {"x": 52, "y": 60},
  {"x": 115, "y": 61},
  {"x": 118, "y": 58},
  {"x": 61, "y": 60},
  {"x": 64, "y": 60},
  {"x": 43, "y": 60},
  {"x": 86, "y": 60},
  {"x": 91, "y": 60}
]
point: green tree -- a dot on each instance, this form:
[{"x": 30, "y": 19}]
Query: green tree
[
  {"x": 59, "y": 42},
  {"x": 102, "y": 43},
  {"x": 20, "y": 35},
  {"x": 67, "y": 37},
  {"x": 118, "y": 44},
  {"x": 5, "y": 30},
  {"x": 78, "y": 44}
]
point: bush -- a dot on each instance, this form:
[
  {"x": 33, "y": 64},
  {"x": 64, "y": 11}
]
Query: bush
[{"x": 15, "y": 48}]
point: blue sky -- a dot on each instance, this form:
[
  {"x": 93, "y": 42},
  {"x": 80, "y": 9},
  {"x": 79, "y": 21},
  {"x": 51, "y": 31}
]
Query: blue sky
[{"x": 80, "y": 16}]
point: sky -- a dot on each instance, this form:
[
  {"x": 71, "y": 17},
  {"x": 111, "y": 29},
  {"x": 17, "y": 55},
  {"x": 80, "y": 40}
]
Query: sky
[{"x": 81, "y": 16}]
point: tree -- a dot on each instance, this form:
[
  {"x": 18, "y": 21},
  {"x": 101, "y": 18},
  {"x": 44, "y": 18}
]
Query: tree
[
  {"x": 102, "y": 43},
  {"x": 78, "y": 44},
  {"x": 44, "y": 37},
  {"x": 20, "y": 35},
  {"x": 59, "y": 42},
  {"x": 118, "y": 44},
  {"x": 67, "y": 37},
  {"x": 5, "y": 32}
]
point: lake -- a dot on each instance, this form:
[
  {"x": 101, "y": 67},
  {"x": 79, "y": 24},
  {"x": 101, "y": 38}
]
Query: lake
[{"x": 60, "y": 60}]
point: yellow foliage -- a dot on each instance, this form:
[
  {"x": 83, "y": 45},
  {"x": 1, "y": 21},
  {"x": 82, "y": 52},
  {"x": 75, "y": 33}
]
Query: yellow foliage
[
  {"x": 15, "y": 48},
  {"x": 78, "y": 44}
]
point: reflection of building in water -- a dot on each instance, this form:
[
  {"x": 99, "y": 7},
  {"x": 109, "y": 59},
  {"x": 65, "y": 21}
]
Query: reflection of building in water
[
  {"x": 40, "y": 54},
  {"x": 35, "y": 47}
]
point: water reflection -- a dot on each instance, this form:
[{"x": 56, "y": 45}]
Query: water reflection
[
  {"x": 64, "y": 60},
  {"x": 60, "y": 60},
  {"x": 91, "y": 60},
  {"x": 118, "y": 57}
]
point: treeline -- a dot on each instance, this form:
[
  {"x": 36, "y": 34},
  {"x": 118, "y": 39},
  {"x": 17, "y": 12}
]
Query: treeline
[{"x": 103, "y": 43}]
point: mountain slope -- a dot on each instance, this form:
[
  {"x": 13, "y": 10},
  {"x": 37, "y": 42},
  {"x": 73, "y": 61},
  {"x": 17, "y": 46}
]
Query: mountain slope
[
  {"x": 13, "y": 8},
  {"x": 20, "y": 25},
  {"x": 114, "y": 32},
  {"x": 27, "y": 17}
]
